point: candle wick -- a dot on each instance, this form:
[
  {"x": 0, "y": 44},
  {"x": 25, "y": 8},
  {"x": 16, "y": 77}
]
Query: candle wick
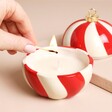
[
  {"x": 53, "y": 51},
  {"x": 48, "y": 50}
]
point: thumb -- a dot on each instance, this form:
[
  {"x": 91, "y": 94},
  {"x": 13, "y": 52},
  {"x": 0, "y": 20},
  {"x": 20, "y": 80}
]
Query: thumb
[{"x": 10, "y": 41}]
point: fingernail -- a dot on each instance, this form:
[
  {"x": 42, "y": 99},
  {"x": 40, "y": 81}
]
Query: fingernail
[{"x": 29, "y": 49}]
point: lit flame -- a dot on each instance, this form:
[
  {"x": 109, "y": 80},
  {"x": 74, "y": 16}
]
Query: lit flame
[
  {"x": 52, "y": 47},
  {"x": 53, "y": 42}
]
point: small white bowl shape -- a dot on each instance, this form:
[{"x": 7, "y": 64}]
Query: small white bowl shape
[{"x": 58, "y": 75}]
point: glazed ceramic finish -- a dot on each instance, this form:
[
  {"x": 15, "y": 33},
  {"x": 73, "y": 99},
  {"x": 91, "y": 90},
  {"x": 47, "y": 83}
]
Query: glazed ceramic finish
[
  {"x": 59, "y": 86},
  {"x": 93, "y": 37}
]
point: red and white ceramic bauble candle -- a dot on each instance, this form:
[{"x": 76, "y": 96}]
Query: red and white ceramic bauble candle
[
  {"x": 58, "y": 72},
  {"x": 92, "y": 34}
]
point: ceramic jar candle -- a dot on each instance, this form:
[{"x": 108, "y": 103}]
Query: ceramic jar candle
[{"x": 60, "y": 74}]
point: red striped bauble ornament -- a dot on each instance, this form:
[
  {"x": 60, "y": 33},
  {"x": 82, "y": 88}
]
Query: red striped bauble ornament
[{"x": 91, "y": 34}]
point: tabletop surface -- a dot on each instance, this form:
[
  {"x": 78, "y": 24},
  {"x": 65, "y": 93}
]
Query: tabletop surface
[{"x": 49, "y": 17}]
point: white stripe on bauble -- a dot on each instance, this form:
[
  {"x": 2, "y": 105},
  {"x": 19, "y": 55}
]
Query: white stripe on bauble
[
  {"x": 93, "y": 43},
  {"x": 69, "y": 32},
  {"x": 53, "y": 87},
  {"x": 87, "y": 73},
  {"x": 107, "y": 26}
]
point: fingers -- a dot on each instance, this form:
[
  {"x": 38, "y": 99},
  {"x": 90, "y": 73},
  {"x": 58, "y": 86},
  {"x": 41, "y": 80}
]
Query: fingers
[
  {"x": 16, "y": 33},
  {"x": 13, "y": 42},
  {"x": 12, "y": 29},
  {"x": 4, "y": 27},
  {"x": 22, "y": 22},
  {"x": 10, "y": 10},
  {"x": 12, "y": 52}
]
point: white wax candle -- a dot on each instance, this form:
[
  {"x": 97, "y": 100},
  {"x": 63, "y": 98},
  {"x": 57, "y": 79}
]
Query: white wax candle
[{"x": 47, "y": 63}]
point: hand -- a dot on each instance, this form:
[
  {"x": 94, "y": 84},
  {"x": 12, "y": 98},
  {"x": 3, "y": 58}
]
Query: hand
[{"x": 16, "y": 33}]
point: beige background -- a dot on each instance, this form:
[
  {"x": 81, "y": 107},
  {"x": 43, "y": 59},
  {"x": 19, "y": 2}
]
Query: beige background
[{"x": 50, "y": 17}]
